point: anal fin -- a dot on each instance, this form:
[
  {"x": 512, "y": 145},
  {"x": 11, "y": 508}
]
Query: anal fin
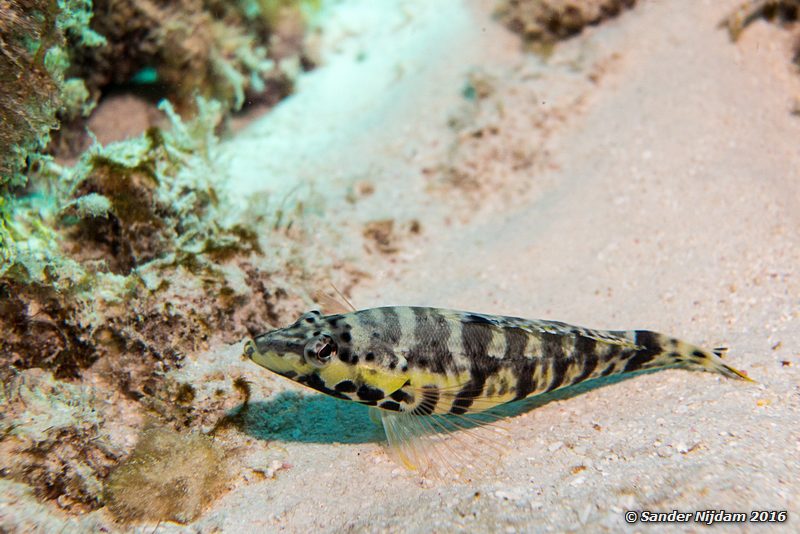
[{"x": 444, "y": 447}]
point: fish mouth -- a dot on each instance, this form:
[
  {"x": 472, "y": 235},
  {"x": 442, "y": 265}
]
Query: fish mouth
[
  {"x": 279, "y": 354},
  {"x": 271, "y": 343},
  {"x": 250, "y": 349}
]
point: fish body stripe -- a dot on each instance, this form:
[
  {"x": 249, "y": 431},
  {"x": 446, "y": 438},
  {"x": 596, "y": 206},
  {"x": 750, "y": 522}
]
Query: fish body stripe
[
  {"x": 431, "y": 360},
  {"x": 431, "y": 341}
]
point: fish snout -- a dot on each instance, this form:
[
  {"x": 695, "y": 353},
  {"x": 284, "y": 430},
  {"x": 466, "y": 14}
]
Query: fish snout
[{"x": 249, "y": 349}]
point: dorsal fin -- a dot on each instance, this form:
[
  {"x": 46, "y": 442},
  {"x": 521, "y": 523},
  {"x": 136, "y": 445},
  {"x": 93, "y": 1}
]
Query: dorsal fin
[
  {"x": 610, "y": 337},
  {"x": 333, "y": 304}
]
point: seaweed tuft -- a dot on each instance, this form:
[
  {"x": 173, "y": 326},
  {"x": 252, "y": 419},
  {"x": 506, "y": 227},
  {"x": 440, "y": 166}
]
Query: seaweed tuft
[
  {"x": 169, "y": 476},
  {"x": 28, "y": 111},
  {"x": 35, "y": 58},
  {"x": 50, "y": 439},
  {"x": 541, "y": 23}
]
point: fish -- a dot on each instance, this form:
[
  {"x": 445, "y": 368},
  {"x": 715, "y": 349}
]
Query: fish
[{"x": 415, "y": 366}]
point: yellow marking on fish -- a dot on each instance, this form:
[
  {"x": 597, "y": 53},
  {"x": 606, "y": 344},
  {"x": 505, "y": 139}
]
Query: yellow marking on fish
[{"x": 416, "y": 365}]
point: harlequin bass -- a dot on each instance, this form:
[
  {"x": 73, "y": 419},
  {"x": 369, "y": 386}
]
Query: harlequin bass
[{"x": 412, "y": 363}]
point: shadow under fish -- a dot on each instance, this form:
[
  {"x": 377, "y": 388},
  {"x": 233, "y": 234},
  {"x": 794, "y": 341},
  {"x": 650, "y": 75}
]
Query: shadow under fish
[{"x": 315, "y": 418}]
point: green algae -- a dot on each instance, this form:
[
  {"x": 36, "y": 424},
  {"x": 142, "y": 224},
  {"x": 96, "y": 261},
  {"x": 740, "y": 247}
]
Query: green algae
[
  {"x": 87, "y": 264},
  {"x": 60, "y": 55},
  {"x": 37, "y": 40},
  {"x": 115, "y": 269}
]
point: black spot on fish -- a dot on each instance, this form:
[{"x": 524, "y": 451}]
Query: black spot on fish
[
  {"x": 472, "y": 318},
  {"x": 346, "y": 337},
  {"x": 651, "y": 348},
  {"x": 369, "y": 393},
  {"x": 289, "y": 374},
  {"x": 369, "y": 356},
  {"x": 402, "y": 396},
  {"x": 390, "y": 405},
  {"x": 475, "y": 339},
  {"x": 333, "y": 320},
  {"x": 346, "y": 386},
  {"x": 316, "y": 333},
  {"x": 310, "y": 319},
  {"x": 314, "y": 381},
  {"x": 344, "y": 354},
  {"x": 461, "y": 405},
  {"x": 699, "y": 355},
  {"x": 647, "y": 340}
]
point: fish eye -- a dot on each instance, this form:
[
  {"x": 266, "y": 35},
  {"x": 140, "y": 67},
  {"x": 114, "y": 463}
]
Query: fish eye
[{"x": 320, "y": 350}]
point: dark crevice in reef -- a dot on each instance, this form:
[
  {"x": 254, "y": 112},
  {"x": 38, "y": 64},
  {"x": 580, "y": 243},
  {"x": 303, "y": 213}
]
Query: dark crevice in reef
[{"x": 37, "y": 332}]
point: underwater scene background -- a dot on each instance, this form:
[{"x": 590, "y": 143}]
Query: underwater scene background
[{"x": 179, "y": 176}]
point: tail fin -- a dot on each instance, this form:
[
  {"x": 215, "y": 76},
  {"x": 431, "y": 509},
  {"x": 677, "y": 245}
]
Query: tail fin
[
  {"x": 657, "y": 350},
  {"x": 717, "y": 365},
  {"x": 692, "y": 356}
]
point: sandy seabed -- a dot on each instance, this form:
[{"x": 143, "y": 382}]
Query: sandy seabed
[{"x": 644, "y": 175}]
